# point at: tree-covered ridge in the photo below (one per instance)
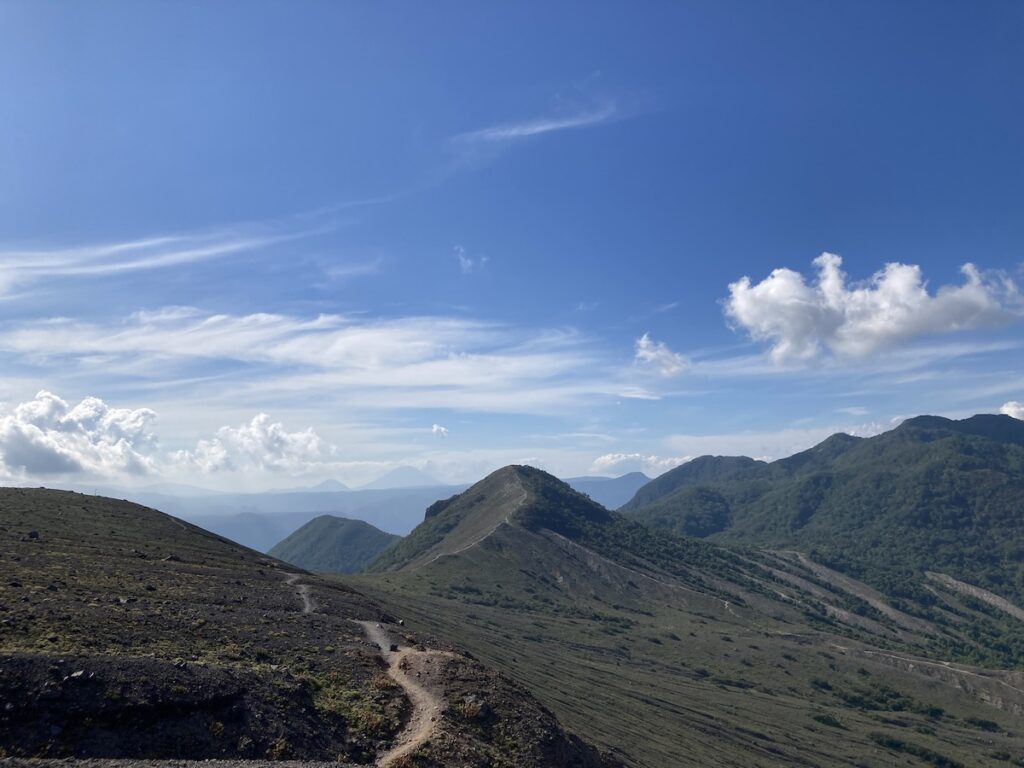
(933, 494)
(331, 544)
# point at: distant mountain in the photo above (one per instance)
(610, 492)
(932, 495)
(253, 529)
(261, 520)
(332, 544)
(677, 651)
(401, 477)
(327, 486)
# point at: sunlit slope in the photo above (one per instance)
(126, 633)
(680, 652)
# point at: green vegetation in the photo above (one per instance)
(332, 544)
(677, 651)
(931, 495)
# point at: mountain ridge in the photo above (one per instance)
(931, 494)
(639, 638)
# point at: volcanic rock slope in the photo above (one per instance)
(674, 651)
(126, 633)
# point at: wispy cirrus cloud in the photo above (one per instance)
(22, 267)
(506, 132)
(403, 363)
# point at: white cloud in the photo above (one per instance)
(621, 463)
(853, 410)
(656, 356)
(1013, 408)
(437, 429)
(46, 436)
(469, 264)
(259, 445)
(21, 267)
(802, 321)
(527, 128)
(411, 362)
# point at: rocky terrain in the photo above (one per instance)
(129, 634)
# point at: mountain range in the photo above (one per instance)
(856, 604)
(932, 495)
(674, 651)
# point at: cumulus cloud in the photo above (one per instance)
(621, 463)
(437, 429)
(803, 320)
(656, 356)
(46, 436)
(1013, 408)
(261, 444)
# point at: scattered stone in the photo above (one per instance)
(33, 534)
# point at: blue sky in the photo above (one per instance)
(465, 235)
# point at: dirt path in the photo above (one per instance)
(426, 706)
(308, 606)
(404, 665)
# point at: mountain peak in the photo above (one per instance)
(333, 544)
(516, 496)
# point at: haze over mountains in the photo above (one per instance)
(855, 604)
(393, 503)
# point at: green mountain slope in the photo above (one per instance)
(679, 652)
(931, 495)
(333, 545)
(126, 633)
